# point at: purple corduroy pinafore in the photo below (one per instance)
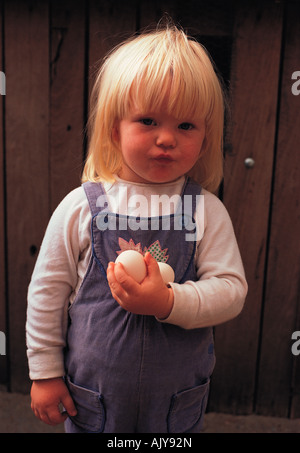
(130, 373)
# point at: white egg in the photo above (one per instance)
(166, 272)
(133, 263)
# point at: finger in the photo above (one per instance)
(152, 266)
(125, 280)
(116, 289)
(110, 271)
(44, 417)
(69, 405)
(37, 413)
(113, 270)
(54, 417)
(111, 278)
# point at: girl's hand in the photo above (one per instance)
(46, 395)
(150, 297)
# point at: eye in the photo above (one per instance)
(186, 126)
(147, 121)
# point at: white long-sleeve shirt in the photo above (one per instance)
(217, 296)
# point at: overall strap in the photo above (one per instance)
(189, 194)
(93, 191)
(191, 187)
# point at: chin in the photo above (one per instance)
(165, 179)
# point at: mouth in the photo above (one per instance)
(164, 159)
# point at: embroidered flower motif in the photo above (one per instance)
(130, 245)
(157, 252)
(155, 249)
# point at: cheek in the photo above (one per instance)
(194, 151)
(116, 136)
(199, 146)
(130, 149)
(133, 144)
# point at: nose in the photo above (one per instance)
(166, 138)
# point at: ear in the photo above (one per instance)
(115, 132)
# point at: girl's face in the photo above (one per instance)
(157, 147)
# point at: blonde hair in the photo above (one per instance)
(146, 70)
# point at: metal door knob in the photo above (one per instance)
(249, 162)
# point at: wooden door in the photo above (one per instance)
(247, 191)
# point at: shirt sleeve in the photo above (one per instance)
(53, 280)
(220, 291)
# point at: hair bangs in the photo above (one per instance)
(177, 79)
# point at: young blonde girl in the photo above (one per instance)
(122, 356)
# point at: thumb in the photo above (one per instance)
(152, 265)
(68, 404)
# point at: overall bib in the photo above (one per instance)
(130, 373)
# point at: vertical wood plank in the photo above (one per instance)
(3, 358)
(254, 80)
(282, 301)
(149, 14)
(67, 97)
(110, 24)
(295, 384)
(213, 18)
(27, 74)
